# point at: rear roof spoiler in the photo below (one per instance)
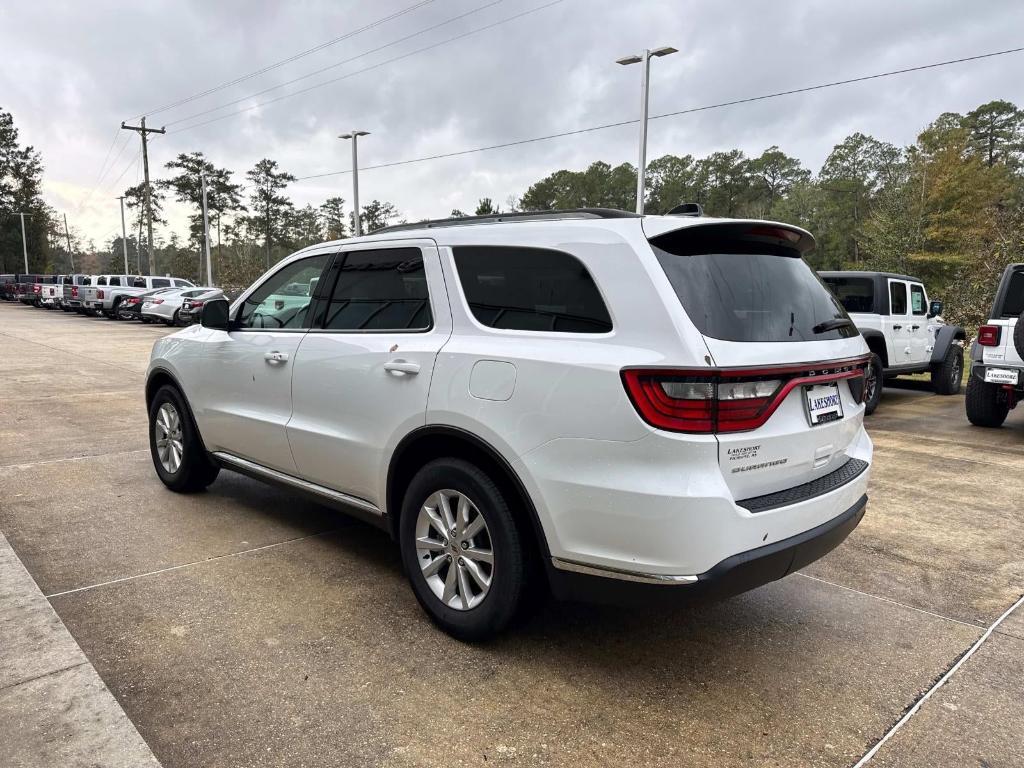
(772, 232)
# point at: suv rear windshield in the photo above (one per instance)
(1013, 301)
(740, 290)
(856, 294)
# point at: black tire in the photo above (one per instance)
(1018, 336)
(872, 384)
(195, 471)
(987, 404)
(175, 319)
(508, 576)
(947, 376)
(115, 312)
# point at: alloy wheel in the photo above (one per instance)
(167, 433)
(870, 383)
(453, 548)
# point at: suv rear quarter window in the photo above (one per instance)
(530, 289)
(1013, 301)
(856, 294)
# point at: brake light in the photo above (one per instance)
(988, 335)
(74, 291)
(725, 400)
(156, 301)
(37, 288)
(196, 304)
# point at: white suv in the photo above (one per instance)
(589, 400)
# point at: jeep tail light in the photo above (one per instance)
(988, 335)
(725, 400)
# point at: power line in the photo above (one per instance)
(99, 180)
(336, 64)
(663, 115)
(447, 41)
(288, 60)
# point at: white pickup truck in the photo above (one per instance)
(997, 356)
(107, 291)
(904, 331)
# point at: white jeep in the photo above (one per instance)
(905, 332)
(593, 401)
(996, 384)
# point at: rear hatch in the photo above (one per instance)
(786, 380)
(1007, 309)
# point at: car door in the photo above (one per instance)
(247, 374)
(362, 376)
(921, 341)
(896, 325)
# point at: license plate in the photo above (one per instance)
(823, 403)
(1001, 376)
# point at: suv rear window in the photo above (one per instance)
(530, 289)
(1013, 302)
(740, 290)
(856, 294)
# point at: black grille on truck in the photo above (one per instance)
(798, 493)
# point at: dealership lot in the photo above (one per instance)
(246, 627)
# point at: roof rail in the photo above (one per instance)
(571, 213)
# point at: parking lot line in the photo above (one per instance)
(938, 684)
(44, 462)
(186, 565)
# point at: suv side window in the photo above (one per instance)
(918, 305)
(161, 282)
(101, 281)
(282, 300)
(380, 290)
(530, 289)
(115, 281)
(897, 298)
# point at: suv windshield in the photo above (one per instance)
(738, 290)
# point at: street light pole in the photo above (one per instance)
(124, 236)
(641, 166)
(24, 242)
(206, 232)
(354, 135)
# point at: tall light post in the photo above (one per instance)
(206, 234)
(645, 59)
(124, 236)
(354, 135)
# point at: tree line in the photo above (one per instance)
(949, 208)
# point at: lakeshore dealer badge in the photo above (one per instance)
(748, 453)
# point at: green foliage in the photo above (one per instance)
(486, 207)
(270, 207)
(21, 177)
(377, 214)
(332, 216)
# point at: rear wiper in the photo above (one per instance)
(831, 325)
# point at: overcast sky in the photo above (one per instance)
(72, 71)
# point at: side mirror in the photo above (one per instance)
(935, 308)
(214, 315)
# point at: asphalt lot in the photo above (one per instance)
(245, 627)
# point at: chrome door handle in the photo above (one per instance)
(915, 327)
(401, 366)
(275, 357)
(897, 327)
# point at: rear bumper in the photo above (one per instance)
(978, 371)
(733, 575)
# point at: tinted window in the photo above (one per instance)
(160, 282)
(897, 298)
(856, 294)
(380, 290)
(917, 303)
(270, 307)
(114, 281)
(749, 291)
(101, 281)
(530, 289)
(1013, 304)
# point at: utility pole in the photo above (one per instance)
(354, 135)
(641, 167)
(124, 236)
(206, 232)
(67, 234)
(143, 131)
(24, 241)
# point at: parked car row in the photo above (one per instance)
(149, 298)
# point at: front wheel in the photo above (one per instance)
(872, 384)
(462, 550)
(178, 454)
(947, 376)
(987, 404)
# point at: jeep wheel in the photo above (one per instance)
(947, 376)
(1018, 336)
(987, 404)
(461, 549)
(872, 384)
(178, 454)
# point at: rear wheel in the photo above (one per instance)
(872, 384)
(178, 454)
(947, 376)
(987, 404)
(462, 550)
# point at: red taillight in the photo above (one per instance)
(37, 288)
(727, 400)
(99, 294)
(988, 335)
(196, 304)
(157, 301)
(74, 291)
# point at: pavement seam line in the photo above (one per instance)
(187, 565)
(44, 674)
(890, 600)
(938, 684)
(44, 462)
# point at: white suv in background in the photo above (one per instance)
(594, 400)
